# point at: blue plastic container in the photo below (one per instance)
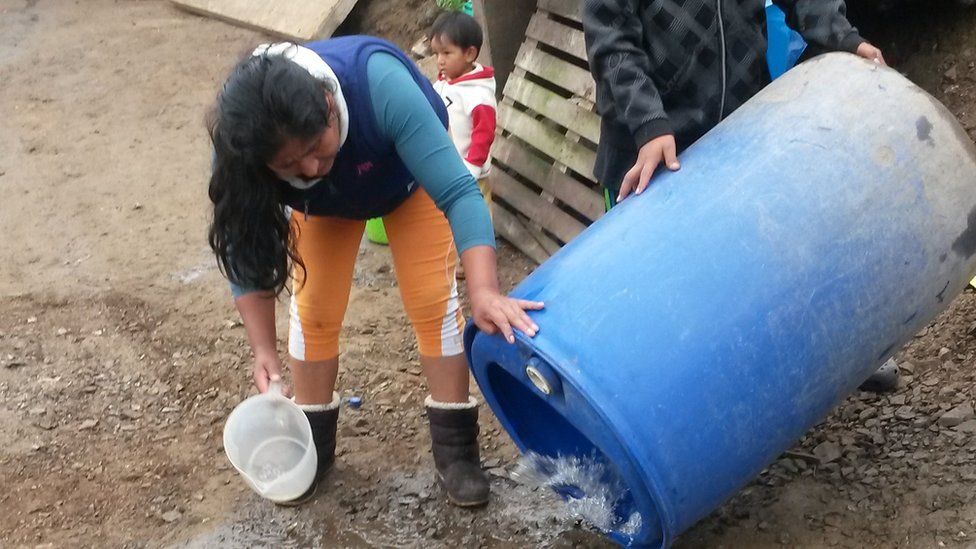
(784, 45)
(697, 331)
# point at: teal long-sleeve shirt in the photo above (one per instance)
(403, 114)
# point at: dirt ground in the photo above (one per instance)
(121, 354)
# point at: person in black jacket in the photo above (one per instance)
(667, 71)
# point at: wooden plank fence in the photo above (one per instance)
(295, 21)
(548, 128)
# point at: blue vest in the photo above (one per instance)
(368, 178)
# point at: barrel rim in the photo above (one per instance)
(643, 482)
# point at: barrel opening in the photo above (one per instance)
(541, 429)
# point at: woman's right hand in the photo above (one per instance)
(267, 369)
(258, 313)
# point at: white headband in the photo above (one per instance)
(317, 67)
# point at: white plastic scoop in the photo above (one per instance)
(268, 440)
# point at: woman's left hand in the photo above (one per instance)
(494, 313)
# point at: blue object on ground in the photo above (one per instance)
(698, 330)
(354, 402)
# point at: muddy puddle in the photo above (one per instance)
(402, 509)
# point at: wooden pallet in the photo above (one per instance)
(543, 154)
(295, 20)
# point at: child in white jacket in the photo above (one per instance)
(468, 91)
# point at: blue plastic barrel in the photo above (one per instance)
(698, 330)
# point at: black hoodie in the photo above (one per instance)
(681, 66)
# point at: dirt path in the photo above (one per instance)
(120, 354)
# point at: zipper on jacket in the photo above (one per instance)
(721, 43)
(306, 209)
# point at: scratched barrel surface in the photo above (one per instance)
(698, 330)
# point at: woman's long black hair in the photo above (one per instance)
(266, 99)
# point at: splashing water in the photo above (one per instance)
(591, 491)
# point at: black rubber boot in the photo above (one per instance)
(323, 419)
(454, 441)
(885, 379)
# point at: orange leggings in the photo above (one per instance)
(424, 258)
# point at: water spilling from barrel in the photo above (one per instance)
(589, 489)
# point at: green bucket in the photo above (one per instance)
(376, 232)
(456, 5)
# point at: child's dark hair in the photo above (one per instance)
(459, 29)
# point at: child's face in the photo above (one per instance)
(452, 61)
